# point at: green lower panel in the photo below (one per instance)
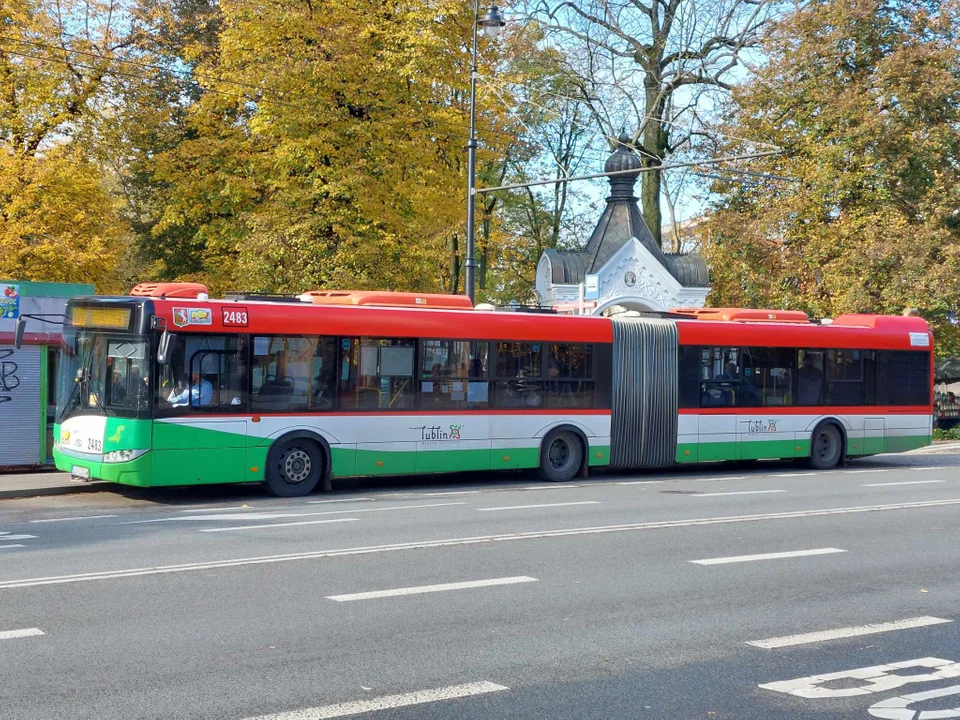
(598, 455)
(374, 462)
(126, 434)
(514, 458)
(762, 449)
(906, 442)
(452, 460)
(687, 452)
(199, 467)
(717, 451)
(136, 472)
(343, 461)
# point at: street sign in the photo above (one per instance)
(591, 287)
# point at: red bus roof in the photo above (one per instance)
(371, 321)
(387, 299)
(855, 332)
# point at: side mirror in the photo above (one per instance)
(168, 343)
(18, 334)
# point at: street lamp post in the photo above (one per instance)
(491, 22)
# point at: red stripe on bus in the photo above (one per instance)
(814, 410)
(396, 413)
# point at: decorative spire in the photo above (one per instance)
(623, 158)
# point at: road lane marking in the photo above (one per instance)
(277, 525)
(420, 589)
(905, 482)
(739, 492)
(847, 632)
(476, 540)
(26, 632)
(4, 537)
(454, 492)
(767, 556)
(67, 519)
(338, 500)
(12, 545)
(861, 472)
(799, 474)
(545, 487)
(543, 505)
(868, 680)
(267, 515)
(388, 702)
(898, 708)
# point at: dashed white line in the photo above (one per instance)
(12, 545)
(4, 537)
(276, 525)
(268, 515)
(546, 487)
(542, 505)
(388, 702)
(863, 472)
(338, 500)
(905, 482)
(459, 541)
(421, 589)
(799, 474)
(847, 632)
(26, 632)
(740, 492)
(767, 556)
(67, 519)
(454, 492)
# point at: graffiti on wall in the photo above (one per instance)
(8, 376)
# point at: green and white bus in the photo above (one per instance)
(168, 387)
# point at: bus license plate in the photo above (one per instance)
(80, 472)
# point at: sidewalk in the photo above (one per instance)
(33, 484)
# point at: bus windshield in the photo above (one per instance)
(103, 373)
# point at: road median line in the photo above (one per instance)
(453, 542)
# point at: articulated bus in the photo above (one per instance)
(168, 387)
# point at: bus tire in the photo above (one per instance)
(294, 467)
(826, 446)
(561, 456)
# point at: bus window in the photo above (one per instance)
(519, 381)
(689, 376)
(844, 377)
(377, 374)
(903, 377)
(810, 377)
(719, 377)
(768, 376)
(282, 373)
(453, 374)
(205, 374)
(569, 376)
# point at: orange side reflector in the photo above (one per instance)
(599, 455)
(379, 463)
(799, 448)
(686, 452)
(506, 458)
(254, 469)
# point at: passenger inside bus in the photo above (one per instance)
(809, 381)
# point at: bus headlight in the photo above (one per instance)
(117, 456)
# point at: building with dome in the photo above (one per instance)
(631, 270)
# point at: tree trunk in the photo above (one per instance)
(654, 144)
(454, 247)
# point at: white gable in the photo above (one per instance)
(632, 277)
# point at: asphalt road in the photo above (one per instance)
(719, 592)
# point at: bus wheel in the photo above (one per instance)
(826, 448)
(561, 456)
(294, 467)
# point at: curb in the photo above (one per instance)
(54, 490)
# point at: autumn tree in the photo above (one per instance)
(643, 65)
(58, 219)
(864, 95)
